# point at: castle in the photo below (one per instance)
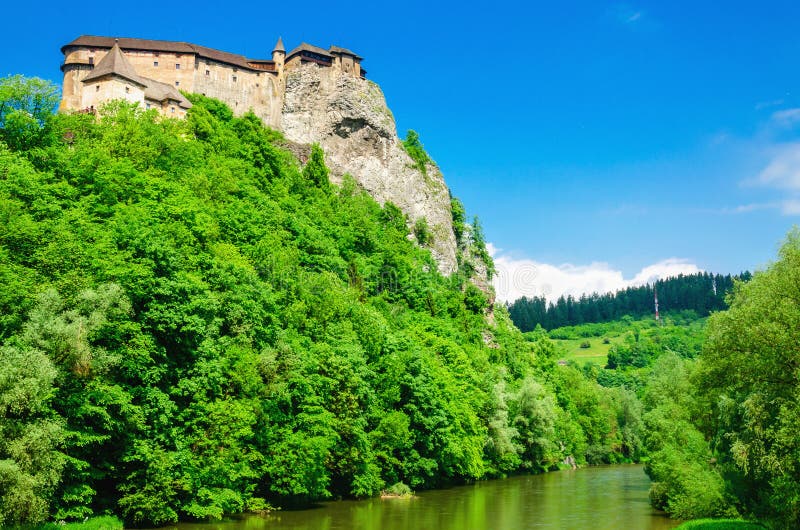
(310, 94)
(153, 73)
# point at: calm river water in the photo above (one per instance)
(598, 498)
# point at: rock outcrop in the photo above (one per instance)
(348, 117)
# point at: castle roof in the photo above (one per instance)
(344, 51)
(306, 47)
(158, 91)
(92, 41)
(115, 63)
(279, 46)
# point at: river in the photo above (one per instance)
(595, 498)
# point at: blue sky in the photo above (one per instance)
(592, 138)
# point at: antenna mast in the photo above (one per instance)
(655, 292)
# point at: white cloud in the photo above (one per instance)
(783, 171)
(525, 277)
(766, 104)
(634, 17)
(786, 118)
(790, 207)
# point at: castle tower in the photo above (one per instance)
(278, 56)
(113, 78)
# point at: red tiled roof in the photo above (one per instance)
(93, 41)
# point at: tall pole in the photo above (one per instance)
(655, 291)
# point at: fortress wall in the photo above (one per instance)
(72, 89)
(250, 90)
(111, 89)
(143, 62)
(168, 108)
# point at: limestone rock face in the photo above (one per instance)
(348, 117)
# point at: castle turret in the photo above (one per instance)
(278, 56)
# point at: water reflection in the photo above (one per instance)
(602, 498)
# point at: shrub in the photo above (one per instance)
(586, 344)
(398, 489)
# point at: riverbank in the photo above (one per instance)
(104, 522)
(720, 524)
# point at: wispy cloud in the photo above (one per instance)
(517, 277)
(767, 104)
(783, 169)
(626, 14)
(788, 207)
(786, 118)
(634, 17)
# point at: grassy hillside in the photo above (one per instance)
(591, 343)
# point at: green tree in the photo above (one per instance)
(30, 436)
(315, 170)
(26, 103)
(416, 151)
(749, 375)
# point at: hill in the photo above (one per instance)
(195, 324)
(702, 293)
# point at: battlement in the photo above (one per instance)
(154, 72)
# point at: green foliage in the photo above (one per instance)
(478, 247)
(26, 103)
(459, 216)
(416, 151)
(105, 522)
(421, 232)
(30, 463)
(685, 297)
(398, 489)
(720, 524)
(194, 325)
(748, 379)
(315, 170)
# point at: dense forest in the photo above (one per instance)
(701, 292)
(194, 324)
(719, 398)
(723, 431)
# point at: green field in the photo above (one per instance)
(602, 336)
(597, 352)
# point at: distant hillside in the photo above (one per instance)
(701, 292)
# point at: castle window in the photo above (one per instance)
(234, 79)
(172, 109)
(177, 83)
(148, 105)
(208, 72)
(91, 60)
(97, 88)
(127, 90)
(155, 63)
(177, 66)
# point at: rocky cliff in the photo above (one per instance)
(349, 119)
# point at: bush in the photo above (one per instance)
(417, 152)
(422, 232)
(586, 344)
(398, 489)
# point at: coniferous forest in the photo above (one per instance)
(194, 324)
(702, 292)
